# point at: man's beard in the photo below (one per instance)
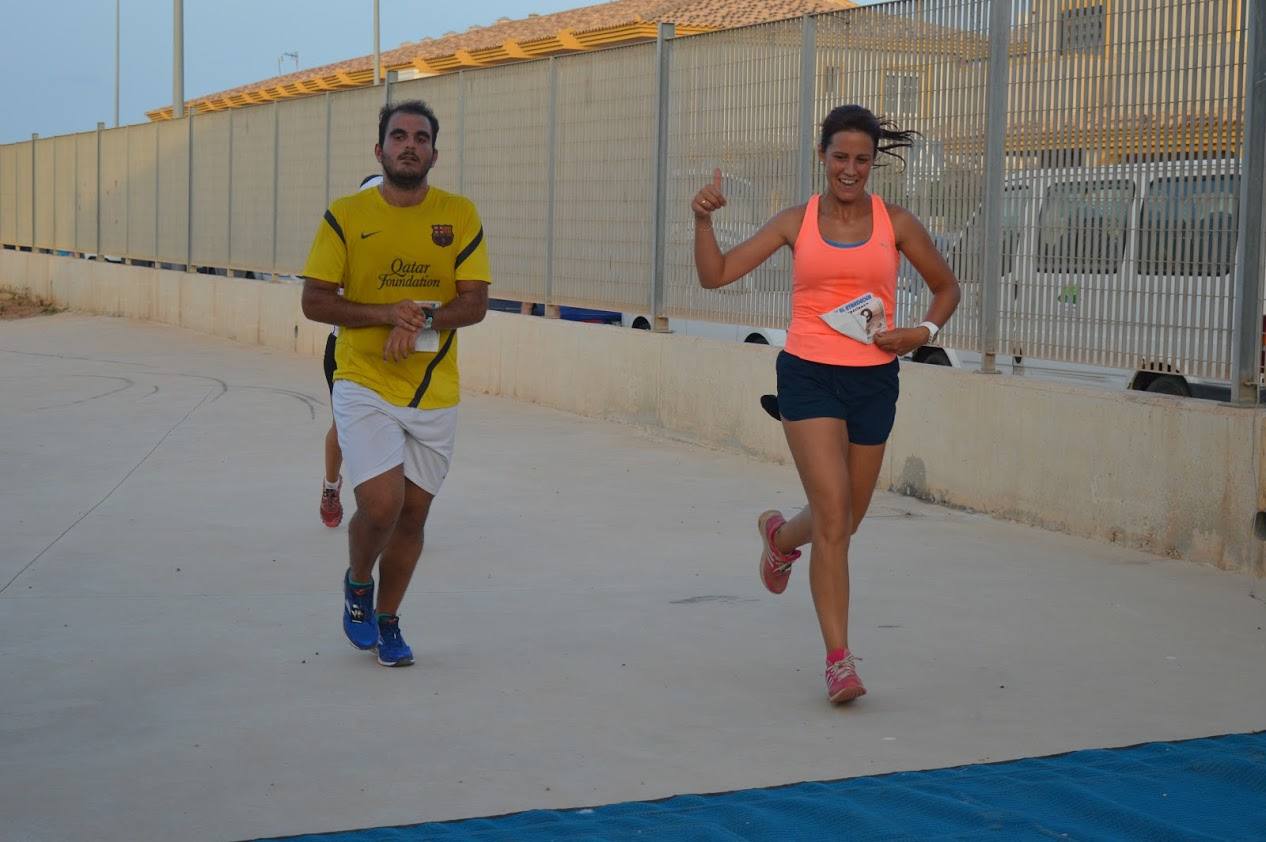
(404, 181)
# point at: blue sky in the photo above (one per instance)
(57, 59)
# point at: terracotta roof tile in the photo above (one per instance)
(699, 14)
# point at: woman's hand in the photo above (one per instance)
(708, 200)
(903, 340)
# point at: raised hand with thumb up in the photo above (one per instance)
(709, 199)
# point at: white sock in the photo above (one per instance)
(330, 486)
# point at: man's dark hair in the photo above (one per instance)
(408, 106)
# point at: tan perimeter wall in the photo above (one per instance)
(1182, 478)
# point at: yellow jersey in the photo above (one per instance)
(381, 254)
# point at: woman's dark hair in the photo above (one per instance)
(855, 118)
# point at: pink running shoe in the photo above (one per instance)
(775, 567)
(331, 506)
(842, 683)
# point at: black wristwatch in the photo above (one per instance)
(428, 316)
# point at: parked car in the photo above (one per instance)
(1110, 255)
(711, 330)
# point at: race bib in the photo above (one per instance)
(858, 319)
(428, 341)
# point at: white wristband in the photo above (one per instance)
(933, 329)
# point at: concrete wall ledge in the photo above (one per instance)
(1180, 478)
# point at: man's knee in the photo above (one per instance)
(380, 517)
(380, 502)
(413, 513)
(412, 529)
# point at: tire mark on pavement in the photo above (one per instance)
(128, 383)
(307, 400)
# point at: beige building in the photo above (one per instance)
(618, 23)
(1102, 81)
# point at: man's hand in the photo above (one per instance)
(902, 340)
(399, 343)
(406, 315)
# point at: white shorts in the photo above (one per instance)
(376, 436)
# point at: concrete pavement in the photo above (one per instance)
(587, 616)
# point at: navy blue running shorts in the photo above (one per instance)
(864, 397)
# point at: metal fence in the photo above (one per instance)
(1080, 166)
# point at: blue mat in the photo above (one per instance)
(1212, 788)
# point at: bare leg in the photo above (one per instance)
(333, 455)
(864, 464)
(404, 548)
(378, 504)
(820, 450)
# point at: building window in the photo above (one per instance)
(1082, 30)
(901, 94)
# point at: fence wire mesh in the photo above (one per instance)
(1120, 201)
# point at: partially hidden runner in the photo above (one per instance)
(331, 510)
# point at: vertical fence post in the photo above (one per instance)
(551, 309)
(75, 250)
(5, 209)
(96, 244)
(660, 222)
(328, 133)
(1247, 323)
(461, 132)
(189, 191)
(158, 192)
(34, 137)
(53, 242)
(127, 196)
(808, 83)
(228, 239)
(276, 180)
(997, 82)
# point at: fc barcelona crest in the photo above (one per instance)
(442, 235)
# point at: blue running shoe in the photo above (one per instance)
(392, 650)
(358, 614)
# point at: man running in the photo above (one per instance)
(413, 267)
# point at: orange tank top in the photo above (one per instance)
(825, 276)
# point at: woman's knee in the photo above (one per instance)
(833, 525)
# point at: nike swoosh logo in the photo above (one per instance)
(365, 236)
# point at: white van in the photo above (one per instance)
(1131, 263)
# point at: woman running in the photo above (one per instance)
(837, 377)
